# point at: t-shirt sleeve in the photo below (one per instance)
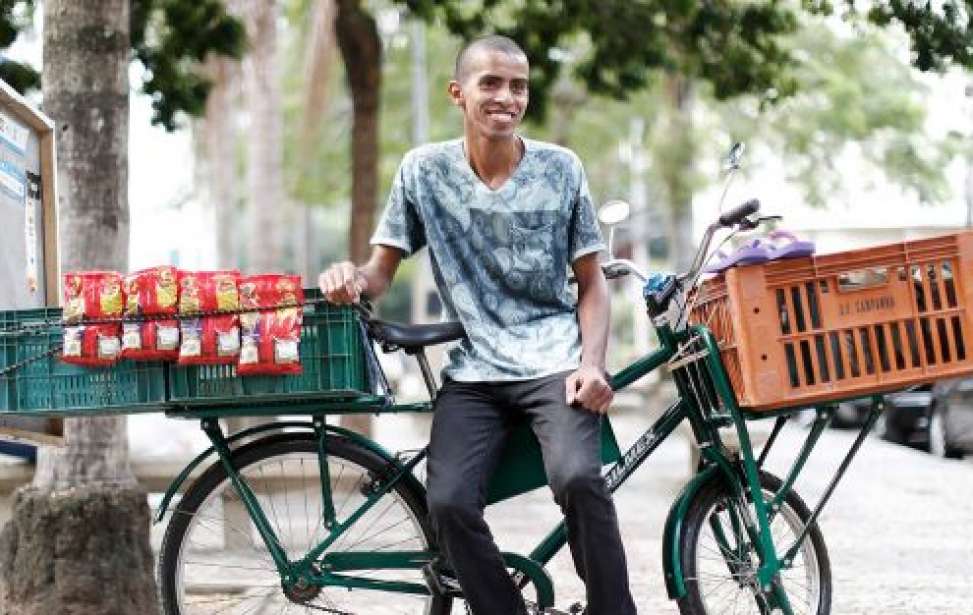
(401, 224)
(584, 233)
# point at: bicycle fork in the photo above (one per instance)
(215, 434)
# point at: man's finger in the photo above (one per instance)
(350, 290)
(604, 402)
(586, 394)
(334, 284)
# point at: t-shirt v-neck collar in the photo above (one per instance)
(478, 182)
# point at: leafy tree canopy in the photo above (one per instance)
(170, 37)
(15, 15)
(735, 46)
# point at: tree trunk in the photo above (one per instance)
(269, 216)
(79, 539)
(320, 54)
(216, 163)
(361, 50)
(677, 169)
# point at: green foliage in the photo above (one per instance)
(172, 38)
(941, 32)
(854, 90)
(735, 46)
(21, 77)
(15, 15)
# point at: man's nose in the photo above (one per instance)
(503, 95)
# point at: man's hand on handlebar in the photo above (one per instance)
(343, 283)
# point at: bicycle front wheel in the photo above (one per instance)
(720, 562)
(213, 559)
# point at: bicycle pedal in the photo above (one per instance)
(441, 584)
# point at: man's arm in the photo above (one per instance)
(588, 385)
(345, 283)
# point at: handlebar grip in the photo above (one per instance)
(740, 212)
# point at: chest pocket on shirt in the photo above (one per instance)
(533, 242)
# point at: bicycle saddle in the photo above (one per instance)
(411, 338)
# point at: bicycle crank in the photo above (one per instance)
(574, 609)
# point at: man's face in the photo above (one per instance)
(493, 93)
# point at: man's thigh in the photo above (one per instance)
(468, 431)
(570, 437)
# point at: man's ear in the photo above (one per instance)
(455, 93)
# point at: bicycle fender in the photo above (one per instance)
(357, 438)
(671, 564)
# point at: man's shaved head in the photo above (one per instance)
(491, 42)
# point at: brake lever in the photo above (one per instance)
(748, 224)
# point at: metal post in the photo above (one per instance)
(420, 89)
(427, 373)
(969, 166)
(878, 405)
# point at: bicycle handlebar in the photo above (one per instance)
(734, 216)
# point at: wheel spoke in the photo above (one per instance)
(722, 569)
(217, 564)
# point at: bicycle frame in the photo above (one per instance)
(706, 415)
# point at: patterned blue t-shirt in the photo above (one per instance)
(500, 257)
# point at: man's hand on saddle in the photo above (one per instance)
(588, 388)
(342, 283)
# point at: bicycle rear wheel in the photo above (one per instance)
(719, 561)
(213, 560)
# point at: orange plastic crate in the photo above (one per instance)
(811, 330)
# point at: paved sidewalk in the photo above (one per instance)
(899, 528)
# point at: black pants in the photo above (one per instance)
(468, 433)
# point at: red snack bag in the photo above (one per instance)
(92, 295)
(151, 292)
(270, 339)
(209, 340)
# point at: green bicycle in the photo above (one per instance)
(303, 516)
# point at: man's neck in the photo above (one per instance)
(493, 160)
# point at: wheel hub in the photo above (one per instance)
(301, 591)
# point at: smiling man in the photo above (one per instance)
(504, 218)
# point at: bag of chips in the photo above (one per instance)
(209, 340)
(151, 292)
(271, 338)
(92, 296)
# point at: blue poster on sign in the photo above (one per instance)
(13, 181)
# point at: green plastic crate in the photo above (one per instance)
(332, 356)
(51, 387)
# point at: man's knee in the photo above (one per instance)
(451, 508)
(574, 482)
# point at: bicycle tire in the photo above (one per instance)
(193, 533)
(812, 557)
